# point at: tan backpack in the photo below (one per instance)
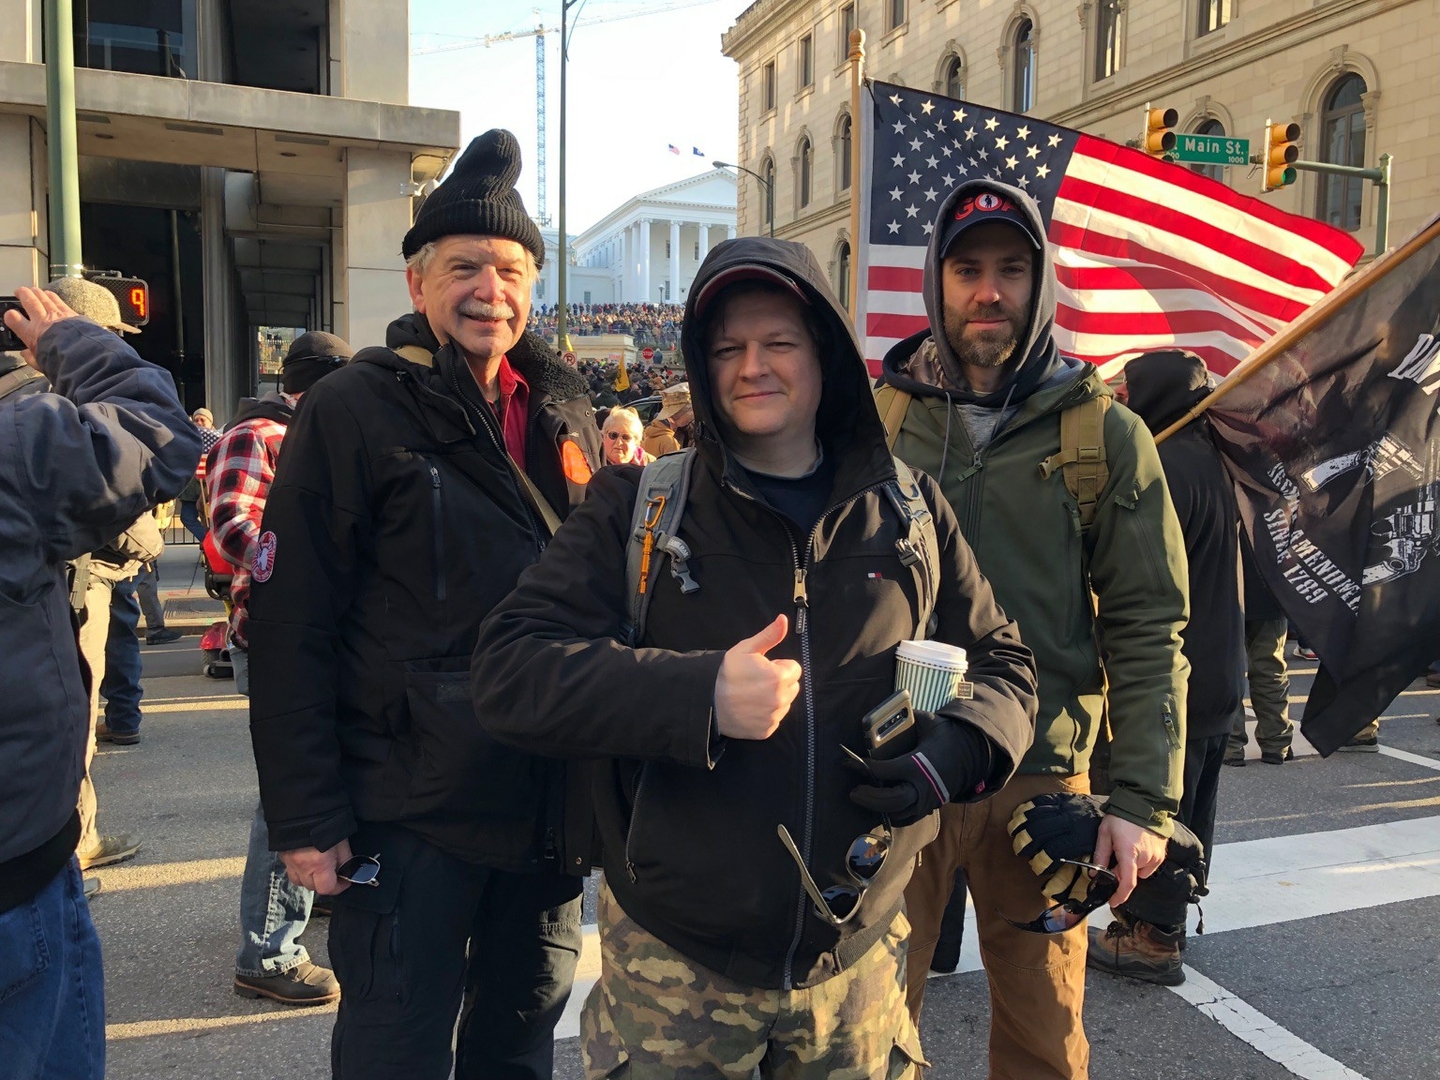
(1081, 459)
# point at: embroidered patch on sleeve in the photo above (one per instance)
(264, 564)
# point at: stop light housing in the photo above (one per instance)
(1157, 138)
(131, 293)
(1281, 153)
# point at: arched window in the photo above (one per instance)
(842, 153)
(842, 272)
(1342, 142)
(1023, 66)
(954, 78)
(1107, 38)
(1215, 172)
(804, 162)
(767, 193)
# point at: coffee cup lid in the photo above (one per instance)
(934, 653)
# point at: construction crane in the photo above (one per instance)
(539, 33)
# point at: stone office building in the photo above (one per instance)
(1361, 78)
(255, 160)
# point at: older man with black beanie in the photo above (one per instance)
(417, 484)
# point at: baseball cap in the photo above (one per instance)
(673, 399)
(732, 275)
(95, 302)
(981, 208)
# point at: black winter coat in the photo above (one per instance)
(687, 818)
(393, 526)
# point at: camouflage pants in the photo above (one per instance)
(657, 1014)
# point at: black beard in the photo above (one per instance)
(987, 352)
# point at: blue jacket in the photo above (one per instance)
(80, 459)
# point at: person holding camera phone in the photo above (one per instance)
(756, 847)
(91, 436)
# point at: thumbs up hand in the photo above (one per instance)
(752, 692)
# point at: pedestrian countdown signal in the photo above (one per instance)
(131, 293)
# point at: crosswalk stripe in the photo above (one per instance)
(1246, 1022)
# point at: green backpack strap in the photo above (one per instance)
(893, 404)
(920, 547)
(654, 525)
(1081, 459)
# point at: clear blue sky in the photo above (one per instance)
(635, 85)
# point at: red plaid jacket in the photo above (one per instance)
(241, 468)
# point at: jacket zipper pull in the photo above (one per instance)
(802, 600)
(434, 477)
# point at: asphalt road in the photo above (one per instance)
(1339, 953)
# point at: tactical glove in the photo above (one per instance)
(1058, 826)
(951, 760)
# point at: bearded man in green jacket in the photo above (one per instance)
(1096, 582)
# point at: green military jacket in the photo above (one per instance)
(1101, 609)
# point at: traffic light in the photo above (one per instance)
(1281, 153)
(131, 293)
(1157, 137)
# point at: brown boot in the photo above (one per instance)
(1137, 950)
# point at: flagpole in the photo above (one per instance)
(1325, 309)
(857, 161)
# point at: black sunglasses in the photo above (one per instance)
(839, 903)
(361, 870)
(1068, 914)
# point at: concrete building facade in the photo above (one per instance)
(648, 248)
(257, 162)
(1361, 77)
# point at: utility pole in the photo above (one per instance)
(562, 318)
(65, 260)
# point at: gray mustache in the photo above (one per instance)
(479, 309)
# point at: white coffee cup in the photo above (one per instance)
(932, 671)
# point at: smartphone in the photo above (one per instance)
(9, 341)
(890, 727)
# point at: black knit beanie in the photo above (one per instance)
(479, 198)
(310, 358)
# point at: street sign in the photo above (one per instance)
(648, 353)
(1211, 150)
(569, 358)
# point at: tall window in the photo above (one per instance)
(767, 87)
(842, 273)
(803, 171)
(1213, 15)
(767, 193)
(1342, 142)
(1107, 38)
(954, 78)
(807, 61)
(842, 152)
(1214, 172)
(1023, 60)
(895, 15)
(847, 24)
(148, 39)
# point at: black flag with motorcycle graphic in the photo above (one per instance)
(1334, 450)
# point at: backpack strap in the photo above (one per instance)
(893, 404)
(1081, 459)
(920, 548)
(16, 378)
(654, 526)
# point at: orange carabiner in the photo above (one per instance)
(653, 510)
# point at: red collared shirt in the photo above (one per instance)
(512, 409)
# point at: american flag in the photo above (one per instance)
(1148, 254)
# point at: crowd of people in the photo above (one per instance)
(653, 325)
(454, 582)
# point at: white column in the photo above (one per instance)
(704, 242)
(729, 232)
(625, 248)
(645, 296)
(674, 297)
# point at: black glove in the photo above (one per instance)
(950, 760)
(1162, 898)
(1058, 826)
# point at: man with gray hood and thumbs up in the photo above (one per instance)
(1060, 493)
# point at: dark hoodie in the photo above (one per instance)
(1162, 386)
(688, 819)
